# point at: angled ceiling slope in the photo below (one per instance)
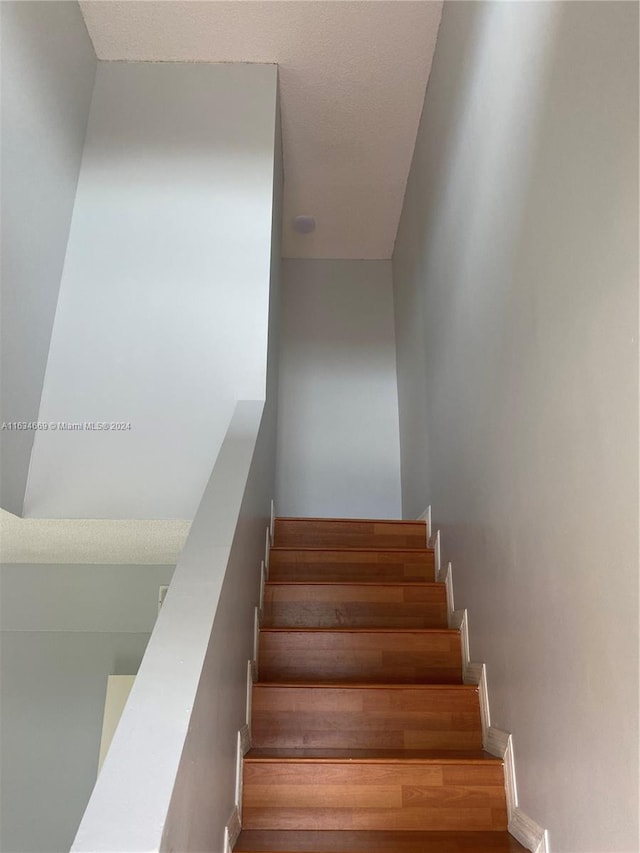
(353, 75)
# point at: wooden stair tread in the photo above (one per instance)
(373, 756)
(365, 685)
(365, 583)
(363, 841)
(354, 682)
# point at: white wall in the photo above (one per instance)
(169, 780)
(204, 793)
(48, 67)
(203, 796)
(516, 275)
(162, 317)
(64, 630)
(80, 597)
(338, 441)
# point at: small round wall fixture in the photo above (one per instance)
(304, 224)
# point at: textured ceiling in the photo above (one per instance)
(84, 540)
(352, 81)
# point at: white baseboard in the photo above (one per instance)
(272, 520)
(426, 516)
(263, 580)
(448, 582)
(510, 778)
(435, 544)
(242, 747)
(500, 743)
(496, 741)
(528, 833)
(256, 632)
(245, 739)
(476, 673)
(250, 680)
(232, 830)
(459, 620)
(267, 548)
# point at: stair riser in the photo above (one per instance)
(349, 534)
(373, 796)
(344, 605)
(365, 718)
(351, 566)
(360, 657)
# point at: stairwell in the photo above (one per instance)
(363, 735)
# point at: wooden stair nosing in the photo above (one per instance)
(370, 685)
(372, 756)
(395, 583)
(347, 629)
(381, 841)
(350, 548)
(340, 519)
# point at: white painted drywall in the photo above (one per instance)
(162, 316)
(338, 439)
(48, 67)
(168, 781)
(203, 796)
(65, 629)
(86, 598)
(516, 292)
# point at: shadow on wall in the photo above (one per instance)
(477, 191)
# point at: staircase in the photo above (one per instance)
(364, 738)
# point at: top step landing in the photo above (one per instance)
(349, 533)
